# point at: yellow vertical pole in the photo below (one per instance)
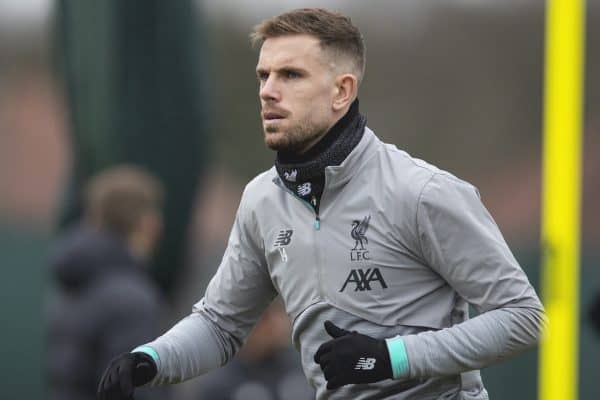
(565, 21)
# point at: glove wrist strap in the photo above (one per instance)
(150, 351)
(398, 357)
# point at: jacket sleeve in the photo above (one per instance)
(219, 323)
(461, 242)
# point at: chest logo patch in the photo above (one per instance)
(359, 233)
(283, 239)
(364, 278)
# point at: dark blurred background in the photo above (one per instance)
(171, 86)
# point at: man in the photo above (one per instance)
(376, 255)
(104, 302)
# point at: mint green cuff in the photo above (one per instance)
(398, 357)
(150, 351)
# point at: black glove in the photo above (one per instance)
(124, 373)
(352, 358)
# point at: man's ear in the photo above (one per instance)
(346, 89)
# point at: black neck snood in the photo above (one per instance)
(304, 174)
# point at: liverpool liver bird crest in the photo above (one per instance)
(359, 229)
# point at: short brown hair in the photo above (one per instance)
(117, 197)
(335, 32)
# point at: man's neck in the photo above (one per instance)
(317, 139)
(322, 142)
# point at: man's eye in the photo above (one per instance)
(262, 77)
(292, 75)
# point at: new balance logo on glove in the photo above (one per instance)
(365, 363)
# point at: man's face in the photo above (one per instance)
(297, 87)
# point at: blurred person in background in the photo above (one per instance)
(104, 302)
(266, 368)
(376, 255)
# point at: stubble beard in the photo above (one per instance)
(295, 139)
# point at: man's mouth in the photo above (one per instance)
(273, 116)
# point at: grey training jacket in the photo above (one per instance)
(400, 247)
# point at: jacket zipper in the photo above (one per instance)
(317, 223)
(311, 207)
(317, 227)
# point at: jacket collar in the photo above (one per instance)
(337, 176)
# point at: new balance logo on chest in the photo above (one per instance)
(283, 239)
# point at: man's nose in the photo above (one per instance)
(269, 90)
